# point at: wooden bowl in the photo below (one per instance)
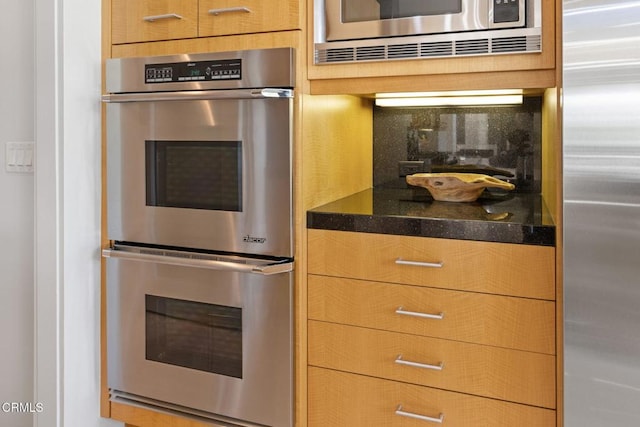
(456, 187)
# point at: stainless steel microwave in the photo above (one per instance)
(361, 30)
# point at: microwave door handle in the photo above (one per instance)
(266, 270)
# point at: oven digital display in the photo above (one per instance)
(225, 69)
(194, 174)
(196, 335)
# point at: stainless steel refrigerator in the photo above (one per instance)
(602, 212)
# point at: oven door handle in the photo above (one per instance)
(263, 269)
(199, 95)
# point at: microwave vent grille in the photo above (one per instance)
(472, 47)
(370, 53)
(435, 49)
(515, 44)
(401, 51)
(390, 49)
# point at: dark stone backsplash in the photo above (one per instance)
(503, 141)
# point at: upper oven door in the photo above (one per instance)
(362, 19)
(208, 170)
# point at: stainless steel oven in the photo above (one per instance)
(199, 151)
(199, 205)
(201, 334)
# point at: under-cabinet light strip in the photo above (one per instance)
(443, 101)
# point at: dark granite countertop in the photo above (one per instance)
(495, 217)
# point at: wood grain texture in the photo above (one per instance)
(525, 79)
(496, 268)
(339, 399)
(508, 322)
(128, 25)
(134, 416)
(209, 44)
(274, 15)
(337, 153)
(511, 375)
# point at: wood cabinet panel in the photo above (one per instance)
(509, 322)
(131, 20)
(497, 268)
(512, 375)
(225, 17)
(338, 399)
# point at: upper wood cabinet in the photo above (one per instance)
(225, 17)
(150, 20)
(136, 21)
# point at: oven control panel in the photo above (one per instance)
(194, 71)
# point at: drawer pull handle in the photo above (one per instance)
(159, 17)
(401, 261)
(400, 361)
(402, 413)
(217, 12)
(438, 316)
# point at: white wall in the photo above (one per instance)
(50, 221)
(16, 213)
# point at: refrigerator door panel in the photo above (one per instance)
(602, 212)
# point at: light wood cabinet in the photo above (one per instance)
(136, 21)
(495, 268)
(145, 20)
(499, 373)
(437, 326)
(339, 399)
(226, 17)
(496, 320)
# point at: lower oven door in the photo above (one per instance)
(201, 335)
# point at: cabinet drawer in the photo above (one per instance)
(150, 20)
(338, 399)
(225, 17)
(497, 268)
(516, 376)
(510, 322)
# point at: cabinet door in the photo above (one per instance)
(225, 17)
(150, 20)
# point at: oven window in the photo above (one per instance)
(206, 337)
(194, 174)
(373, 10)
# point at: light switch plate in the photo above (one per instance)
(19, 157)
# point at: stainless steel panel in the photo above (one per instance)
(602, 212)
(260, 68)
(264, 125)
(470, 32)
(475, 15)
(263, 396)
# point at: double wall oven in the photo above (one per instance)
(199, 205)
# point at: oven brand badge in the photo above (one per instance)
(251, 239)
